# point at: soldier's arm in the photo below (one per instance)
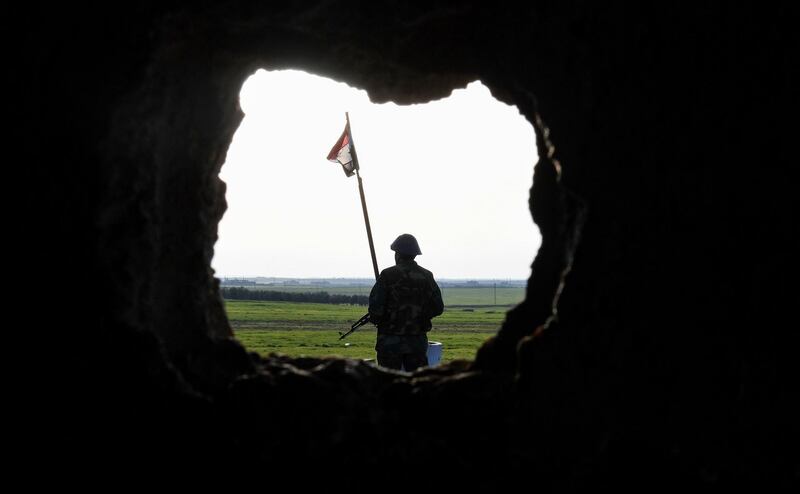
(437, 304)
(377, 302)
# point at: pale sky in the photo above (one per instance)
(455, 173)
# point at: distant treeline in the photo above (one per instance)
(236, 293)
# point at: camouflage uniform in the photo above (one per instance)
(401, 304)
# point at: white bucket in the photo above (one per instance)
(434, 352)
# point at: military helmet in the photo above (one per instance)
(406, 245)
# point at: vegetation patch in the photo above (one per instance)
(307, 329)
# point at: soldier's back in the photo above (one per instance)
(410, 293)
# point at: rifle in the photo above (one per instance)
(364, 320)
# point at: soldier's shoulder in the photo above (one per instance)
(390, 272)
(425, 271)
(390, 269)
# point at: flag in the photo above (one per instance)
(344, 153)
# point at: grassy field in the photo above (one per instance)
(313, 329)
(452, 295)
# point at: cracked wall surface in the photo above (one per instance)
(650, 344)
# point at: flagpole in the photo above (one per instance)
(369, 230)
(363, 200)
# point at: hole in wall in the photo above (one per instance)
(454, 172)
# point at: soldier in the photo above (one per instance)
(401, 304)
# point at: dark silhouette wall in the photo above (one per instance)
(651, 349)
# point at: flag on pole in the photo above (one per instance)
(344, 152)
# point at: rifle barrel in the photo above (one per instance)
(364, 320)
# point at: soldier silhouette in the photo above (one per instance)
(402, 303)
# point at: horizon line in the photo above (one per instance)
(356, 278)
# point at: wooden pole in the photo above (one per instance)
(369, 230)
(363, 199)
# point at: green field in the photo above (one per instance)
(303, 329)
(469, 296)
